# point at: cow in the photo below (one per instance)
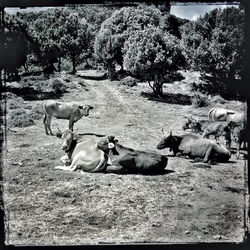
(208, 128)
(221, 114)
(196, 147)
(124, 160)
(240, 134)
(63, 110)
(81, 153)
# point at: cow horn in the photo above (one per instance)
(73, 132)
(171, 132)
(59, 130)
(162, 130)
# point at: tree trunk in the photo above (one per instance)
(111, 71)
(59, 64)
(158, 82)
(74, 64)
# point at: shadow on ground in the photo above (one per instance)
(30, 94)
(169, 98)
(95, 78)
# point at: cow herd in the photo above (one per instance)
(107, 155)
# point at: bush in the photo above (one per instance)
(19, 118)
(57, 85)
(36, 113)
(217, 99)
(14, 103)
(129, 81)
(200, 100)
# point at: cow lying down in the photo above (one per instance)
(196, 147)
(81, 153)
(124, 160)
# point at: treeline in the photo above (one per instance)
(144, 42)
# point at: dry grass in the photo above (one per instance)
(50, 207)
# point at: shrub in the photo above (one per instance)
(200, 100)
(19, 118)
(36, 112)
(129, 81)
(217, 99)
(57, 85)
(14, 103)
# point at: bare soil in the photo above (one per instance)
(190, 203)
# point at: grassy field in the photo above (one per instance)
(189, 203)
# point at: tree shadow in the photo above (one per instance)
(30, 94)
(95, 78)
(168, 98)
(173, 77)
(228, 89)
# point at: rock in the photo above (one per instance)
(187, 232)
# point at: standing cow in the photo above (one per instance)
(221, 114)
(63, 110)
(240, 134)
(208, 128)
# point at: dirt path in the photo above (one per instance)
(189, 204)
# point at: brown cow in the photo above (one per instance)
(63, 110)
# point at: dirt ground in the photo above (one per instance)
(190, 203)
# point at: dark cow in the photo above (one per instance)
(129, 161)
(81, 153)
(210, 128)
(63, 110)
(195, 147)
(240, 134)
(221, 114)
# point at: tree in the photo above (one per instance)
(150, 53)
(61, 34)
(214, 43)
(48, 30)
(76, 37)
(171, 24)
(14, 45)
(116, 30)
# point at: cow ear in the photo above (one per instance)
(80, 106)
(111, 145)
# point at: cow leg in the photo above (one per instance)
(65, 160)
(228, 140)
(114, 169)
(45, 124)
(49, 117)
(205, 134)
(208, 154)
(238, 144)
(71, 123)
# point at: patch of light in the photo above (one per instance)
(192, 12)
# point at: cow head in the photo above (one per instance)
(107, 143)
(68, 137)
(168, 141)
(84, 110)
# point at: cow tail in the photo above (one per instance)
(210, 114)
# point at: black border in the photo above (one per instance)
(227, 246)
